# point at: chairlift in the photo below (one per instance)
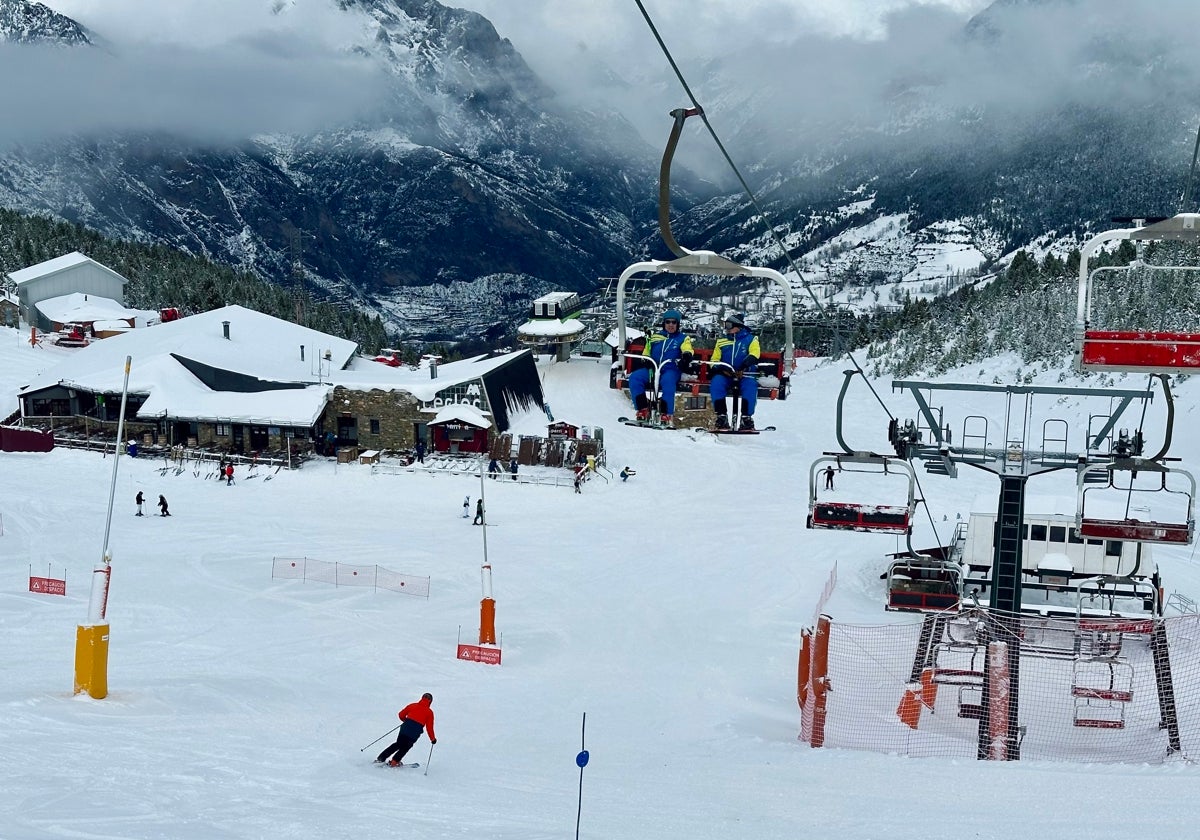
(1129, 528)
(850, 516)
(774, 367)
(1137, 350)
(924, 583)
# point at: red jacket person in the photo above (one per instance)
(415, 718)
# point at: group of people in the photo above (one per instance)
(225, 473)
(140, 499)
(668, 355)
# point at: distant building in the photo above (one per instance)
(60, 276)
(240, 381)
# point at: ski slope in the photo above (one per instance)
(668, 608)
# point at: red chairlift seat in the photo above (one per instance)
(1133, 529)
(1133, 350)
(851, 516)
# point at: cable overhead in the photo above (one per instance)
(758, 208)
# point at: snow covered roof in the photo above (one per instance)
(364, 374)
(270, 383)
(44, 269)
(78, 306)
(630, 334)
(551, 327)
(461, 413)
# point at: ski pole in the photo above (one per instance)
(426, 773)
(381, 737)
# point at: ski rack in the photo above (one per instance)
(1137, 351)
(1135, 530)
(702, 262)
(849, 516)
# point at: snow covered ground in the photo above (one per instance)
(668, 608)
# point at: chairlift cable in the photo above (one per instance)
(758, 208)
(1187, 192)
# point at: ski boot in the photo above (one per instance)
(667, 420)
(747, 425)
(721, 424)
(643, 415)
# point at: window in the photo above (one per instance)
(1112, 548)
(1074, 537)
(374, 426)
(1037, 533)
(1058, 533)
(222, 430)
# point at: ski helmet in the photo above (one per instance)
(735, 319)
(673, 315)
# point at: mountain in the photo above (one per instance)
(891, 170)
(24, 22)
(468, 175)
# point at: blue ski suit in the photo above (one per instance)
(742, 352)
(666, 349)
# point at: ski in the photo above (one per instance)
(735, 431)
(645, 424)
(398, 766)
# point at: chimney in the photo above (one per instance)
(225, 328)
(302, 352)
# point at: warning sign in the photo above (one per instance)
(479, 653)
(47, 586)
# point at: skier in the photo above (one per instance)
(829, 477)
(140, 499)
(671, 350)
(229, 474)
(415, 718)
(162, 506)
(740, 352)
(626, 472)
(512, 468)
(578, 480)
(478, 513)
(466, 507)
(420, 448)
(493, 469)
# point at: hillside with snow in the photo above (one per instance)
(667, 608)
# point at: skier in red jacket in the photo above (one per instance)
(415, 718)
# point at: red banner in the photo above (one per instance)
(47, 586)
(479, 653)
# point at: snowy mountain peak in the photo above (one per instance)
(22, 22)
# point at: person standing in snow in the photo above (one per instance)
(493, 469)
(466, 507)
(415, 718)
(140, 499)
(672, 351)
(512, 468)
(162, 506)
(229, 474)
(420, 451)
(478, 513)
(739, 352)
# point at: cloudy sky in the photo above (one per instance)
(240, 66)
(229, 68)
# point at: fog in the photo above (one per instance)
(775, 72)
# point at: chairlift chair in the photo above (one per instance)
(850, 516)
(1133, 350)
(1131, 529)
